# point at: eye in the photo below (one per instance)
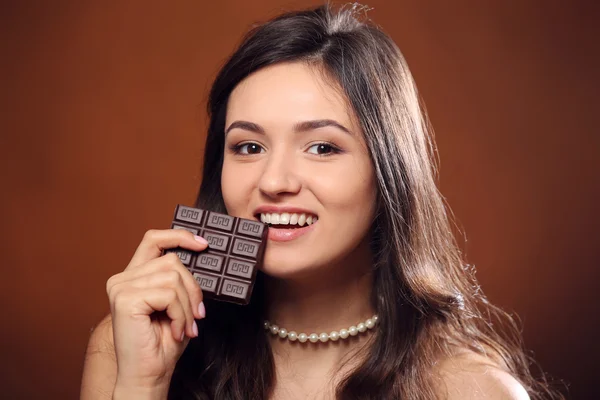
(247, 148)
(323, 149)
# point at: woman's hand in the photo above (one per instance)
(153, 303)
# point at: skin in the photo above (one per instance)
(318, 282)
(154, 303)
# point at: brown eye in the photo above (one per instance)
(322, 149)
(253, 148)
(248, 148)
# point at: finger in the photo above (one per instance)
(155, 241)
(165, 263)
(169, 280)
(145, 302)
(165, 326)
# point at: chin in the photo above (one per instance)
(289, 268)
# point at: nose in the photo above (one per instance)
(279, 176)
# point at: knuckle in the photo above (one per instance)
(165, 266)
(119, 299)
(171, 295)
(172, 259)
(198, 291)
(173, 277)
(111, 285)
(150, 235)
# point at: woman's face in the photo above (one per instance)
(295, 158)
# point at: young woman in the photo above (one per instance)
(315, 129)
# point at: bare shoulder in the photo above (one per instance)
(470, 376)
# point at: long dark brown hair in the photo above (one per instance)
(428, 302)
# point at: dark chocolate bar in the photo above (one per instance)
(227, 269)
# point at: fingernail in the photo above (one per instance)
(200, 239)
(195, 329)
(182, 336)
(201, 310)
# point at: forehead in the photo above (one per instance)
(289, 92)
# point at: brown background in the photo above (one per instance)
(102, 128)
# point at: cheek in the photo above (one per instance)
(233, 188)
(350, 196)
(357, 207)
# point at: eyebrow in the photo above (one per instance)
(303, 126)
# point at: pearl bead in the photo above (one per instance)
(323, 337)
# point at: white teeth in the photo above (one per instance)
(302, 219)
(288, 218)
(275, 219)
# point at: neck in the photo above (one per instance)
(320, 304)
(327, 299)
(329, 302)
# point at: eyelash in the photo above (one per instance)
(236, 148)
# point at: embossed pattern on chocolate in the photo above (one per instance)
(225, 271)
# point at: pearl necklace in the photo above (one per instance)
(323, 337)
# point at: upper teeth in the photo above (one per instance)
(288, 219)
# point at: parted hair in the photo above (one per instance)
(428, 301)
